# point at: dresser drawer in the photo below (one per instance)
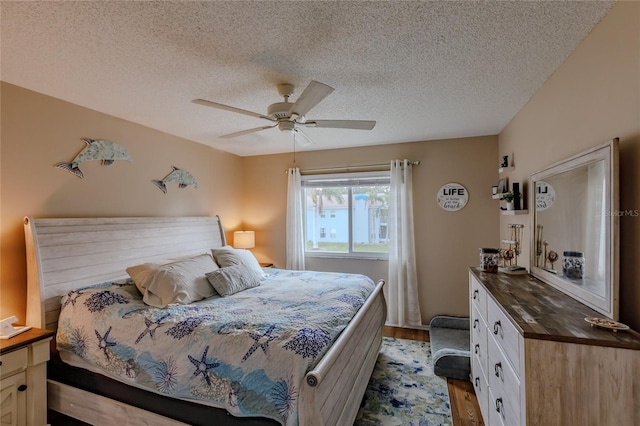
(500, 413)
(504, 332)
(478, 378)
(478, 337)
(478, 296)
(14, 361)
(503, 380)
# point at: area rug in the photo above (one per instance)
(403, 390)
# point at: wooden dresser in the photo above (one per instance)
(536, 361)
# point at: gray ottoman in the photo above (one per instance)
(450, 352)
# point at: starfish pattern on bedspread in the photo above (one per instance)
(202, 366)
(152, 326)
(103, 343)
(260, 340)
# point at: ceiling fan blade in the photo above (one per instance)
(310, 97)
(300, 138)
(230, 108)
(246, 132)
(341, 124)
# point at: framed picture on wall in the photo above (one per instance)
(502, 186)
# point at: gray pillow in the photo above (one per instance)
(232, 279)
(181, 282)
(228, 256)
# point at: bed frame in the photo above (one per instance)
(65, 254)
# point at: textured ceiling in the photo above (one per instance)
(423, 70)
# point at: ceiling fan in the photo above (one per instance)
(289, 116)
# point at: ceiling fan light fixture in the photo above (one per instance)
(286, 126)
(279, 110)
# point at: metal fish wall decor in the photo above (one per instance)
(182, 177)
(106, 151)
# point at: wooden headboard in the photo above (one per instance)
(65, 254)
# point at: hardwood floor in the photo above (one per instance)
(465, 410)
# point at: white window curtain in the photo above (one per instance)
(403, 306)
(295, 224)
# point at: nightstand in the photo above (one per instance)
(23, 372)
(266, 264)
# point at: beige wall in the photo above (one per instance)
(39, 131)
(593, 97)
(446, 242)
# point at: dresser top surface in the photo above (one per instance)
(540, 311)
(23, 339)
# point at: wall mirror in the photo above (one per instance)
(575, 227)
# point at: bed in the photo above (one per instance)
(65, 256)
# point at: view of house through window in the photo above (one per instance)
(346, 214)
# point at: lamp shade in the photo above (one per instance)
(244, 239)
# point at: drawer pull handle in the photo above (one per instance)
(22, 388)
(500, 407)
(496, 327)
(475, 294)
(475, 323)
(498, 370)
(477, 381)
(476, 349)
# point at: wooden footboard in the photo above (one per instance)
(332, 392)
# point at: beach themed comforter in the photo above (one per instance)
(247, 353)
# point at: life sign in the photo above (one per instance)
(545, 195)
(453, 191)
(453, 197)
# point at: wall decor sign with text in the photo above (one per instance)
(453, 197)
(545, 195)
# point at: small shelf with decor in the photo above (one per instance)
(512, 200)
(507, 164)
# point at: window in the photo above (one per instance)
(353, 207)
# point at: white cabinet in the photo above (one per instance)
(535, 361)
(13, 402)
(23, 378)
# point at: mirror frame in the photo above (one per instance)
(607, 305)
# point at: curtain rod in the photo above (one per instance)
(353, 168)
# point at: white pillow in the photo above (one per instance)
(182, 281)
(228, 256)
(232, 279)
